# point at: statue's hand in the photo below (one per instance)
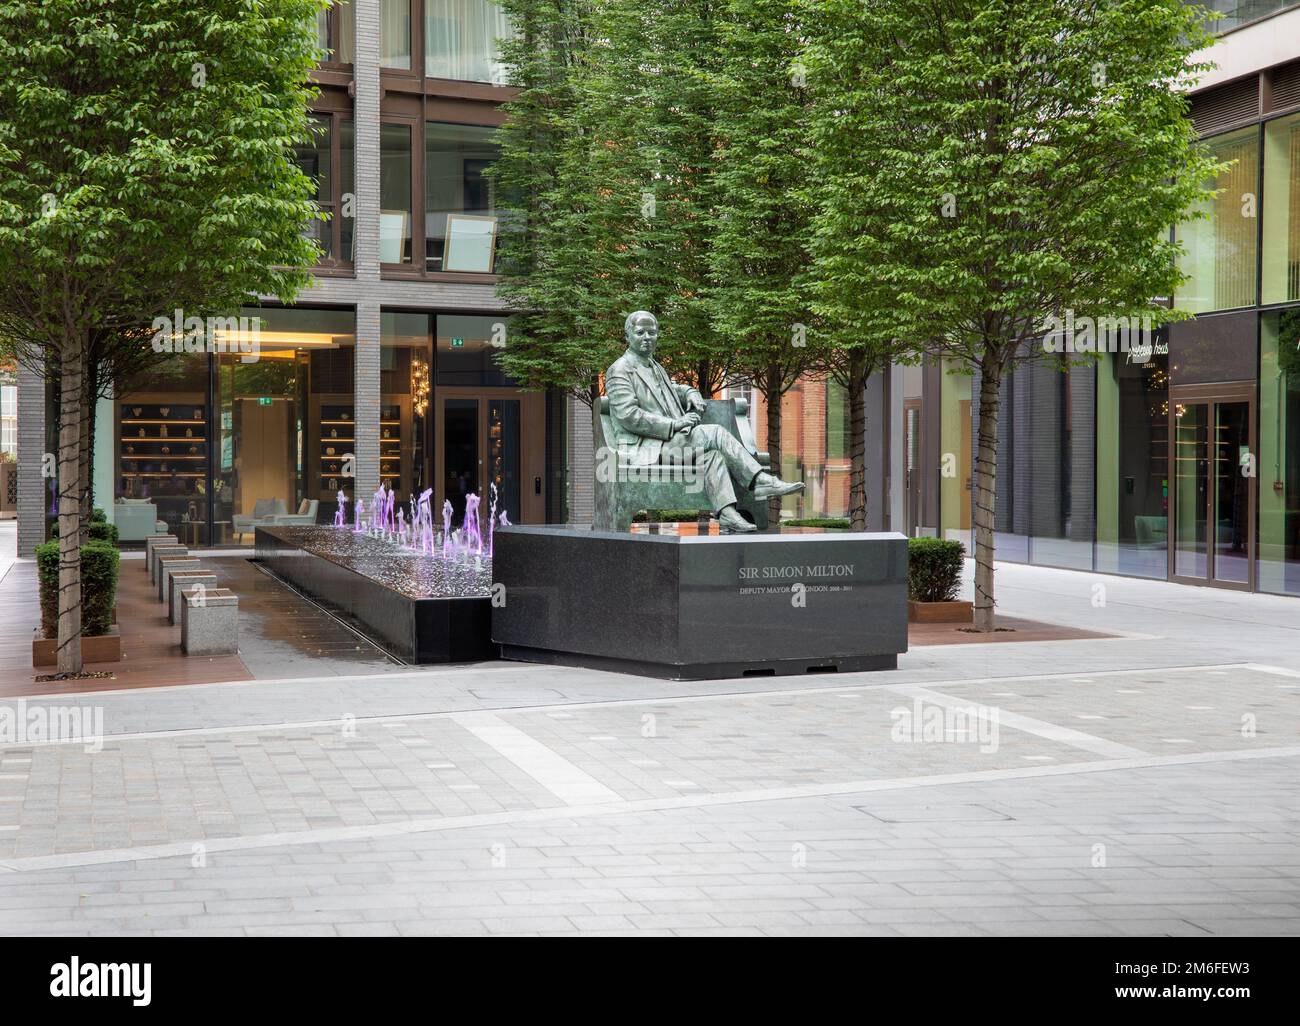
(698, 404)
(685, 423)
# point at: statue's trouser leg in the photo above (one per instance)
(718, 458)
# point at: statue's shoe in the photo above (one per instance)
(732, 522)
(774, 486)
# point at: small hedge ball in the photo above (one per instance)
(934, 568)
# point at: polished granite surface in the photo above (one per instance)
(396, 567)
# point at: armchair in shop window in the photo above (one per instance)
(1151, 532)
(264, 513)
(305, 517)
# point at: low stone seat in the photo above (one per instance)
(157, 541)
(660, 485)
(209, 621)
(181, 579)
(168, 567)
(164, 556)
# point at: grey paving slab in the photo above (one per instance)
(1146, 784)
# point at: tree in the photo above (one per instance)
(998, 163)
(560, 337)
(145, 166)
(759, 293)
(606, 160)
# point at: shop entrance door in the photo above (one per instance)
(1213, 461)
(485, 438)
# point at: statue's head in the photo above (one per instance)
(641, 329)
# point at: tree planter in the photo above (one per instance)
(95, 648)
(941, 612)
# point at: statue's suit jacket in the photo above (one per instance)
(643, 403)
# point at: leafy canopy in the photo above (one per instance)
(145, 160)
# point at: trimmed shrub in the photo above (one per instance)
(100, 563)
(98, 516)
(837, 523)
(105, 532)
(934, 569)
(669, 516)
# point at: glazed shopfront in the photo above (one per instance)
(1179, 461)
(211, 444)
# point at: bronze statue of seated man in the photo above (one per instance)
(658, 421)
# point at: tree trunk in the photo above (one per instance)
(986, 472)
(704, 379)
(857, 442)
(71, 398)
(772, 397)
(86, 456)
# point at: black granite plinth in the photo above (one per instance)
(423, 609)
(689, 608)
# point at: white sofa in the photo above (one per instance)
(264, 513)
(305, 517)
(136, 519)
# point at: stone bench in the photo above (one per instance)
(624, 489)
(209, 621)
(181, 579)
(167, 567)
(164, 557)
(156, 542)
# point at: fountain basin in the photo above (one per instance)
(422, 608)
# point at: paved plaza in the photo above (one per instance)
(1146, 783)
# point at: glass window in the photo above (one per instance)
(334, 185)
(336, 32)
(314, 159)
(1061, 465)
(460, 40)
(9, 418)
(1279, 453)
(395, 34)
(285, 430)
(406, 386)
(1219, 249)
(347, 188)
(467, 348)
(460, 212)
(395, 194)
(1282, 210)
(1133, 464)
(163, 427)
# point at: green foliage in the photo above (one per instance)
(652, 159)
(101, 531)
(832, 523)
(1008, 163)
(100, 564)
(983, 166)
(934, 568)
(98, 516)
(669, 516)
(146, 166)
(145, 162)
(1288, 342)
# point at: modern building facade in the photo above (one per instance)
(1181, 462)
(382, 370)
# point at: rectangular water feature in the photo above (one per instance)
(423, 608)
